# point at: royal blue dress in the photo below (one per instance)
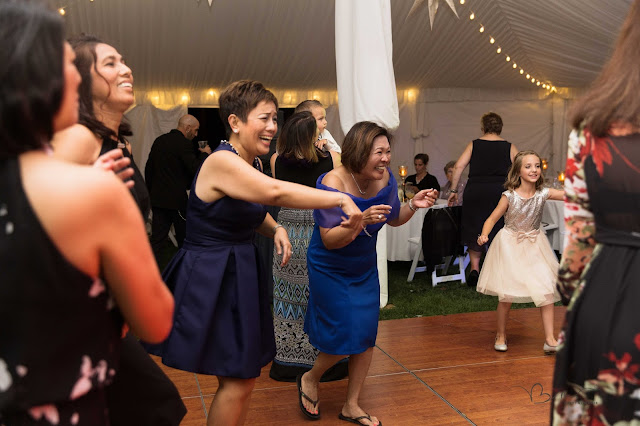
(222, 322)
(344, 291)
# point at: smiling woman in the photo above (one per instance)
(223, 324)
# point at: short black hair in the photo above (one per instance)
(31, 74)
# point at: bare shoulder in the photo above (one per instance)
(76, 144)
(335, 179)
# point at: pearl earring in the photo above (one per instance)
(235, 130)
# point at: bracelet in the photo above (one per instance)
(411, 207)
(275, 228)
(454, 191)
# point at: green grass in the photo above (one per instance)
(418, 298)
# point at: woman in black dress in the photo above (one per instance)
(65, 233)
(106, 92)
(597, 375)
(422, 179)
(489, 158)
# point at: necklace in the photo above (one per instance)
(356, 182)
(256, 161)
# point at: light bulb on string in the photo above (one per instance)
(521, 71)
(528, 76)
(508, 58)
(461, 1)
(515, 65)
(499, 49)
(61, 11)
(533, 80)
(472, 16)
(492, 40)
(538, 84)
(482, 29)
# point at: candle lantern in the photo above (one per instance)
(402, 171)
(561, 177)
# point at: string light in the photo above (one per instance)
(61, 11)
(492, 40)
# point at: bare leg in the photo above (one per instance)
(358, 368)
(474, 259)
(311, 378)
(547, 313)
(503, 315)
(231, 403)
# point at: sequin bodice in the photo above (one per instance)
(525, 214)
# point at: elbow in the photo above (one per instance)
(162, 324)
(274, 194)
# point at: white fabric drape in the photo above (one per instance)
(366, 82)
(364, 63)
(149, 122)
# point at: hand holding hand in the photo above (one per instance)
(425, 198)
(282, 244)
(482, 239)
(115, 162)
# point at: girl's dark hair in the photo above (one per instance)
(84, 45)
(357, 144)
(513, 177)
(614, 94)
(240, 98)
(296, 141)
(491, 123)
(31, 74)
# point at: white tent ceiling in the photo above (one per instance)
(290, 44)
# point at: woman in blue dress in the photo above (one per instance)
(342, 315)
(222, 322)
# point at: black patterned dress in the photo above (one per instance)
(597, 374)
(294, 353)
(59, 332)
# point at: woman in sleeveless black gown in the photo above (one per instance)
(109, 94)
(597, 374)
(489, 159)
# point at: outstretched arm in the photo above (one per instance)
(497, 213)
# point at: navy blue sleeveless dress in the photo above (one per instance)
(222, 321)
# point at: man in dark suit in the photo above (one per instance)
(170, 169)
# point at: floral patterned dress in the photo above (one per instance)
(597, 374)
(59, 328)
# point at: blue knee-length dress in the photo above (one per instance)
(344, 291)
(222, 319)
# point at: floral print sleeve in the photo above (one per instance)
(579, 221)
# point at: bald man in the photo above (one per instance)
(170, 169)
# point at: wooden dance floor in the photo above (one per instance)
(425, 371)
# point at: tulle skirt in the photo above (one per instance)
(520, 268)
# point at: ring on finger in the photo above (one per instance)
(379, 216)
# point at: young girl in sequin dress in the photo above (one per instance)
(520, 266)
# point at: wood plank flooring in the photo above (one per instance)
(425, 371)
